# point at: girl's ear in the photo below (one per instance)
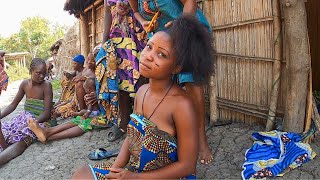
(177, 69)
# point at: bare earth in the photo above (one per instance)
(59, 159)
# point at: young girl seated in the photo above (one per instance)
(162, 139)
(38, 105)
(77, 127)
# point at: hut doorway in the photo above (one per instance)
(313, 13)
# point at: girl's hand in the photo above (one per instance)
(122, 8)
(90, 98)
(120, 173)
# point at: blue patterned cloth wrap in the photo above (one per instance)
(275, 153)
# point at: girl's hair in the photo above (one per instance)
(35, 62)
(193, 49)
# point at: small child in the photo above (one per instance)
(76, 127)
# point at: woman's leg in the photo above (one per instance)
(12, 152)
(83, 173)
(125, 109)
(196, 92)
(44, 133)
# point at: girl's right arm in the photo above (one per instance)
(123, 156)
(107, 22)
(11, 107)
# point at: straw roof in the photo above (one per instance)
(76, 7)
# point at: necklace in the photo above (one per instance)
(158, 103)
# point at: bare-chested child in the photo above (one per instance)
(38, 105)
(77, 127)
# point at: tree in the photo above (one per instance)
(35, 36)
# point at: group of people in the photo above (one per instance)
(168, 112)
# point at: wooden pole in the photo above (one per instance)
(84, 35)
(93, 43)
(276, 71)
(24, 61)
(298, 64)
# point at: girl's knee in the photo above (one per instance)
(83, 173)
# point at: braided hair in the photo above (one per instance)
(35, 62)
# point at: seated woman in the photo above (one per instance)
(38, 105)
(162, 140)
(77, 127)
(66, 109)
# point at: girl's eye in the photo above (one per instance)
(148, 46)
(161, 55)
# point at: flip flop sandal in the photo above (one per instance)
(114, 134)
(102, 153)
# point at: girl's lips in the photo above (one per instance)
(145, 65)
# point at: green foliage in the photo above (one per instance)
(17, 73)
(56, 84)
(36, 36)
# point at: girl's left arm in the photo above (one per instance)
(189, 6)
(48, 94)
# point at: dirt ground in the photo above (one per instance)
(59, 159)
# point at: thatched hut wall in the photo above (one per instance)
(70, 46)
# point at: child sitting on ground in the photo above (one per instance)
(162, 136)
(76, 127)
(38, 105)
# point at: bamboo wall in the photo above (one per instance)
(244, 41)
(95, 15)
(313, 15)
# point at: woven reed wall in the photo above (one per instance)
(95, 17)
(313, 15)
(243, 33)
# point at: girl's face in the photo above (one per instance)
(90, 62)
(157, 60)
(76, 66)
(39, 73)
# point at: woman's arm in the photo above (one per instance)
(137, 15)
(189, 6)
(48, 94)
(11, 107)
(107, 22)
(123, 156)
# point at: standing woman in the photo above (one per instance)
(167, 11)
(117, 64)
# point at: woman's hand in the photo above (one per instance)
(122, 8)
(145, 24)
(90, 98)
(120, 173)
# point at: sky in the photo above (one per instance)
(13, 12)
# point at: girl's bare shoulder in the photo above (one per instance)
(179, 96)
